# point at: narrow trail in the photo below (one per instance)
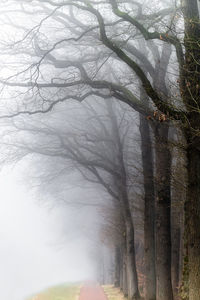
(92, 291)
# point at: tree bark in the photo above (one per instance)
(149, 210)
(133, 291)
(177, 211)
(124, 277)
(177, 231)
(175, 263)
(163, 204)
(191, 97)
(122, 268)
(192, 221)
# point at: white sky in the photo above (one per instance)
(29, 233)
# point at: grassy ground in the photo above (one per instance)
(113, 293)
(61, 292)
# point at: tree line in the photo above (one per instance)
(145, 59)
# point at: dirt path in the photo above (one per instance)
(92, 292)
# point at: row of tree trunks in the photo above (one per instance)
(165, 267)
(121, 182)
(163, 270)
(157, 220)
(158, 269)
(158, 272)
(166, 230)
(161, 275)
(169, 245)
(157, 214)
(125, 262)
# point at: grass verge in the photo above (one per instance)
(113, 293)
(61, 292)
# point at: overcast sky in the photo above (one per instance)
(32, 252)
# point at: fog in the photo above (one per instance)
(58, 210)
(96, 126)
(33, 254)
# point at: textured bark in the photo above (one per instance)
(163, 204)
(132, 278)
(133, 291)
(131, 271)
(149, 211)
(123, 272)
(179, 182)
(178, 196)
(121, 269)
(192, 222)
(191, 98)
(175, 264)
(124, 278)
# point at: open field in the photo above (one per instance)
(61, 292)
(113, 293)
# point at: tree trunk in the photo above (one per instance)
(191, 97)
(177, 232)
(179, 182)
(175, 265)
(132, 278)
(121, 268)
(149, 211)
(163, 204)
(124, 273)
(192, 221)
(133, 291)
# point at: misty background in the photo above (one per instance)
(41, 245)
(99, 146)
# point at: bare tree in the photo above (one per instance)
(82, 74)
(101, 153)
